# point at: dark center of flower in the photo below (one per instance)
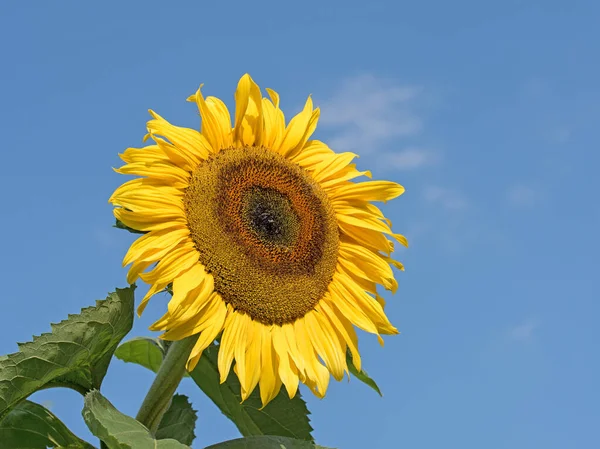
(266, 222)
(266, 232)
(270, 215)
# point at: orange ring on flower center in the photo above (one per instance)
(265, 230)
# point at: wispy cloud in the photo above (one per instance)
(521, 195)
(408, 159)
(449, 199)
(367, 111)
(523, 332)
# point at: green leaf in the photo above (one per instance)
(75, 354)
(282, 416)
(266, 442)
(145, 351)
(119, 431)
(361, 375)
(119, 224)
(31, 426)
(179, 421)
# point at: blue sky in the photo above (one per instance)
(485, 111)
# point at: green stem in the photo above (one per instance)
(167, 380)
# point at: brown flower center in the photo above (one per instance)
(265, 230)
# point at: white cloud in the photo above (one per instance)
(449, 199)
(408, 159)
(523, 332)
(367, 111)
(521, 195)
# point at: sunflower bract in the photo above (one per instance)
(265, 237)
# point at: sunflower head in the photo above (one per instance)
(265, 237)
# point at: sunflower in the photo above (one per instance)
(264, 238)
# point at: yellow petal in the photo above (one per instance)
(191, 144)
(366, 216)
(369, 191)
(194, 301)
(154, 289)
(179, 156)
(248, 113)
(155, 241)
(253, 362)
(212, 307)
(186, 283)
(193, 309)
(380, 300)
(345, 329)
(150, 203)
(343, 176)
(324, 341)
(178, 260)
(394, 263)
(274, 97)
(298, 131)
(400, 239)
(136, 268)
(366, 303)
(239, 349)
(373, 240)
(147, 187)
(366, 222)
(231, 337)
(147, 222)
(148, 154)
(269, 383)
(216, 126)
(312, 153)
(340, 298)
(314, 370)
(187, 302)
(272, 123)
(331, 166)
(207, 335)
(366, 284)
(221, 113)
(310, 129)
(289, 333)
(368, 264)
(287, 371)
